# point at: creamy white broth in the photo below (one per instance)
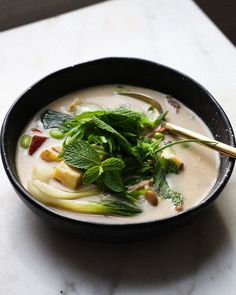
(200, 164)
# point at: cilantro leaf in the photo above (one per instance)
(80, 154)
(112, 164)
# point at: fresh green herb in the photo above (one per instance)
(92, 174)
(80, 154)
(162, 168)
(159, 120)
(113, 149)
(112, 164)
(113, 180)
(121, 119)
(53, 119)
(165, 192)
(120, 138)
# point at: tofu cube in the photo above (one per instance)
(68, 176)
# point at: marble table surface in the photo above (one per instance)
(199, 258)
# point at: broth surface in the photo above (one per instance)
(200, 164)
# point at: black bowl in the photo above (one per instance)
(129, 71)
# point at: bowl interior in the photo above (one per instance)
(119, 71)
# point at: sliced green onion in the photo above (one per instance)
(54, 192)
(107, 207)
(25, 141)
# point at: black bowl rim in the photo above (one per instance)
(60, 216)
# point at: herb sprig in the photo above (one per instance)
(113, 150)
(80, 154)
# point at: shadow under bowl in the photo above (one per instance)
(130, 71)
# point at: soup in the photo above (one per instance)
(147, 172)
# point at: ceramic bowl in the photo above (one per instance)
(130, 71)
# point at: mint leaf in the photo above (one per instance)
(123, 119)
(89, 115)
(113, 180)
(80, 154)
(111, 164)
(147, 123)
(121, 139)
(104, 126)
(92, 174)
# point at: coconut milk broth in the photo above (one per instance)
(200, 164)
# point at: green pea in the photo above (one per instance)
(25, 141)
(159, 135)
(56, 134)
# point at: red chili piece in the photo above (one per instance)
(36, 142)
(36, 130)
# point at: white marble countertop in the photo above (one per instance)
(197, 259)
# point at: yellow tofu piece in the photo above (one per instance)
(68, 176)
